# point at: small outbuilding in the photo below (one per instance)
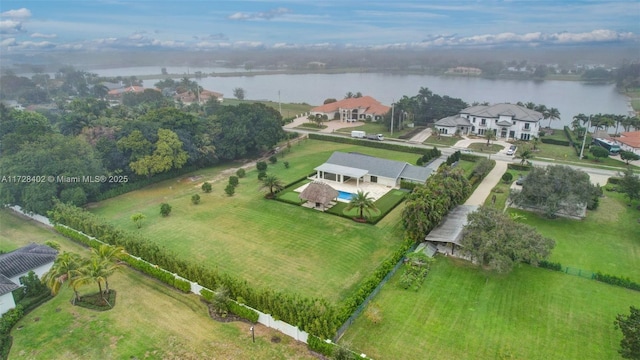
(319, 194)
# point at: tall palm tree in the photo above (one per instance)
(111, 256)
(362, 202)
(552, 114)
(272, 183)
(490, 135)
(63, 270)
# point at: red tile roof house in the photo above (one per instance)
(17, 264)
(353, 109)
(629, 141)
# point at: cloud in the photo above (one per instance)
(17, 14)
(10, 27)
(8, 42)
(44, 36)
(268, 15)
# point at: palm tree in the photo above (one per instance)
(111, 256)
(530, 105)
(552, 114)
(525, 155)
(362, 202)
(490, 135)
(94, 270)
(63, 270)
(272, 183)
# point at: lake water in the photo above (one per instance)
(570, 97)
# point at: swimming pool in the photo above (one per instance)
(343, 195)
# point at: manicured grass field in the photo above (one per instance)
(462, 312)
(442, 141)
(268, 243)
(375, 128)
(482, 147)
(149, 320)
(608, 240)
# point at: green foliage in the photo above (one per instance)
(234, 181)
(408, 185)
(617, 281)
(273, 159)
(550, 265)
(262, 175)
(286, 164)
(555, 142)
(165, 209)
(630, 327)
(629, 156)
(243, 311)
(469, 157)
(482, 168)
(492, 239)
(182, 285)
(428, 155)
(230, 190)
(320, 346)
(32, 285)
(599, 152)
(519, 167)
(167, 155)
(427, 204)
(207, 294)
(195, 199)
(206, 187)
(629, 185)
(52, 244)
(373, 144)
(363, 203)
(137, 218)
(10, 318)
(453, 158)
(507, 177)
(416, 269)
(240, 173)
(261, 166)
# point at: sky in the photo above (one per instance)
(94, 25)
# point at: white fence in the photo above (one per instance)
(264, 319)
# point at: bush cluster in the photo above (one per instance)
(617, 281)
(518, 167)
(550, 265)
(453, 158)
(469, 157)
(320, 346)
(577, 146)
(314, 315)
(7, 321)
(429, 155)
(243, 311)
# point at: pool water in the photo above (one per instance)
(345, 195)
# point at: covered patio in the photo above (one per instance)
(339, 173)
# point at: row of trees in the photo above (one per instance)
(423, 108)
(89, 139)
(604, 121)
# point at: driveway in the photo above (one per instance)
(489, 182)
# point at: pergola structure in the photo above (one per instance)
(339, 173)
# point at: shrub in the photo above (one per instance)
(206, 187)
(165, 209)
(286, 164)
(615, 180)
(233, 180)
(10, 318)
(617, 281)
(243, 311)
(273, 159)
(230, 190)
(550, 265)
(469, 157)
(207, 294)
(261, 166)
(195, 199)
(555, 142)
(240, 173)
(320, 346)
(182, 285)
(262, 175)
(507, 177)
(519, 167)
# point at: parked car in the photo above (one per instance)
(521, 180)
(512, 150)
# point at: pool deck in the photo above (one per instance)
(375, 191)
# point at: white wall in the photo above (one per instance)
(6, 303)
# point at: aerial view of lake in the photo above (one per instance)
(570, 97)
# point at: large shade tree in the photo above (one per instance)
(492, 239)
(630, 327)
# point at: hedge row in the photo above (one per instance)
(615, 180)
(7, 321)
(428, 156)
(550, 265)
(313, 315)
(518, 167)
(572, 141)
(617, 281)
(243, 311)
(320, 346)
(374, 144)
(469, 157)
(555, 141)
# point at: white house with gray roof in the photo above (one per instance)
(17, 264)
(342, 167)
(507, 121)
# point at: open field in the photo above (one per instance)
(288, 109)
(462, 312)
(149, 320)
(375, 128)
(268, 243)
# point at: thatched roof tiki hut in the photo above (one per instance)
(319, 194)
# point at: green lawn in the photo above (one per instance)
(149, 320)
(608, 240)
(375, 128)
(288, 109)
(268, 243)
(462, 312)
(442, 141)
(482, 147)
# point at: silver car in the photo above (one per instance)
(512, 150)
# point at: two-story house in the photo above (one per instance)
(506, 121)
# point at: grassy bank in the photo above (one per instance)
(462, 312)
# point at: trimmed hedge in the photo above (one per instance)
(617, 281)
(469, 157)
(368, 143)
(518, 167)
(615, 180)
(555, 142)
(320, 346)
(207, 294)
(182, 285)
(550, 265)
(243, 311)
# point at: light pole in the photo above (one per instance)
(393, 105)
(584, 137)
(253, 336)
